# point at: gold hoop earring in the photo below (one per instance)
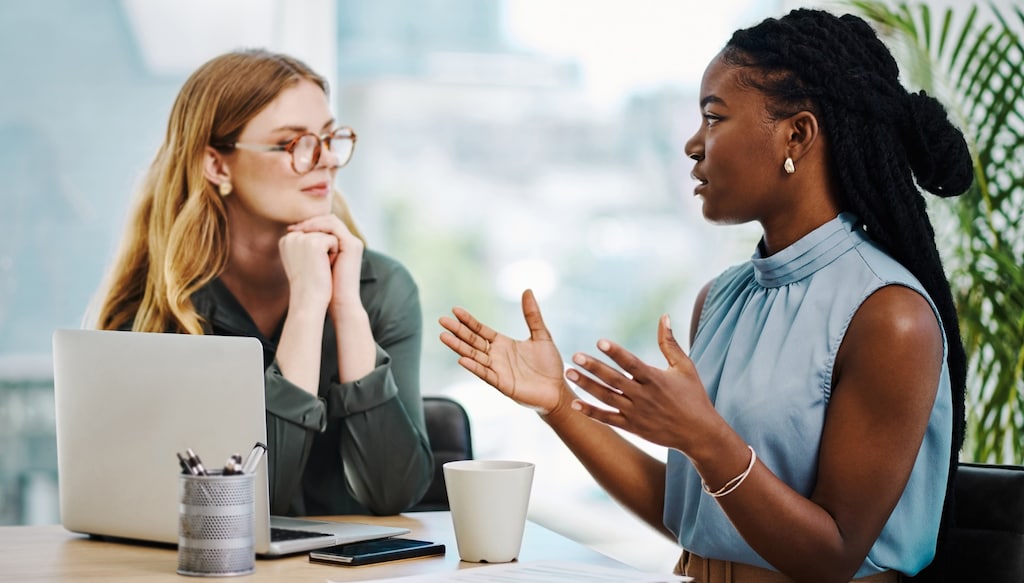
(788, 166)
(224, 188)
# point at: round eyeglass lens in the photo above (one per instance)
(340, 143)
(304, 155)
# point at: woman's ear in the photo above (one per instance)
(802, 134)
(215, 167)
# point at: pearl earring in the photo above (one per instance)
(788, 166)
(224, 188)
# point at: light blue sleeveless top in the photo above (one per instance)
(765, 348)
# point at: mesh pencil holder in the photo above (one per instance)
(215, 525)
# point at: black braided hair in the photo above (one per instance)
(882, 138)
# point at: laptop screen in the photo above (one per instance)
(127, 402)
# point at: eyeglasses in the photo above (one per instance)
(305, 149)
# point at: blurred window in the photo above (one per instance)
(502, 145)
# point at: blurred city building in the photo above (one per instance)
(485, 164)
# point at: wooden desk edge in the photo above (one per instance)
(51, 553)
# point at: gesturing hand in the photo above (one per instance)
(662, 406)
(529, 371)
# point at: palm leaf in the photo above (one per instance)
(974, 65)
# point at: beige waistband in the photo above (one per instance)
(715, 571)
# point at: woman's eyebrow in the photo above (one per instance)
(296, 128)
(290, 129)
(711, 99)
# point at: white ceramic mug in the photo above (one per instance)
(488, 500)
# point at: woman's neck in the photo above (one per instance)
(812, 204)
(256, 277)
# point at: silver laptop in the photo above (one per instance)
(127, 402)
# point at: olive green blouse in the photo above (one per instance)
(358, 447)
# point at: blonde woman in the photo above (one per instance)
(239, 231)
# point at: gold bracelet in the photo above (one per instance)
(733, 483)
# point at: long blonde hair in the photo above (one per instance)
(177, 234)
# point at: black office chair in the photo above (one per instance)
(986, 539)
(450, 440)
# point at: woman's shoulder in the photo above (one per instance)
(379, 265)
(388, 290)
(884, 266)
(386, 281)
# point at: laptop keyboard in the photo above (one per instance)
(283, 534)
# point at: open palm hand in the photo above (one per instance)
(528, 371)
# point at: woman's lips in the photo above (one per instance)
(318, 189)
(701, 183)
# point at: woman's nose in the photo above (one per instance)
(694, 147)
(328, 159)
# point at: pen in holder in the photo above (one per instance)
(215, 524)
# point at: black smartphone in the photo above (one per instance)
(376, 551)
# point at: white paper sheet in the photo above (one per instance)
(540, 572)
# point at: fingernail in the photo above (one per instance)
(572, 375)
(576, 406)
(604, 345)
(668, 322)
(579, 358)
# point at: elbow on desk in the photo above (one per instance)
(397, 490)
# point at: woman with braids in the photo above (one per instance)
(239, 231)
(813, 427)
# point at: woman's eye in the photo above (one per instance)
(710, 119)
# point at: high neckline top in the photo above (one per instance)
(766, 345)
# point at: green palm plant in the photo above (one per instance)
(970, 58)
